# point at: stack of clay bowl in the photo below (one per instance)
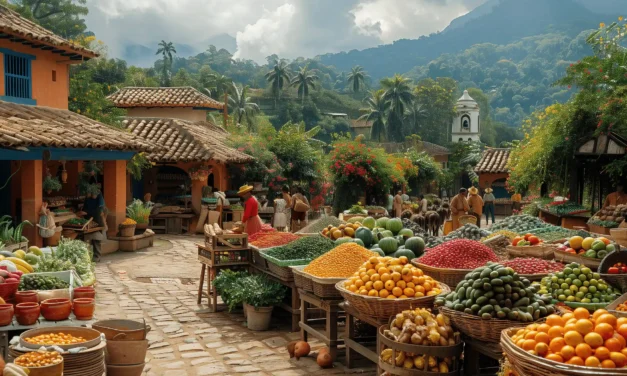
(88, 362)
(126, 346)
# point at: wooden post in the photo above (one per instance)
(115, 193)
(32, 192)
(225, 111)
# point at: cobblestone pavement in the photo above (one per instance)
(185, 339)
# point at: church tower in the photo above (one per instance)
(466, 124)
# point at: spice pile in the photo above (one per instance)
(391, 278)
(341, 262)
(321, 224)
(458, 254)
(271, 239)
(305, 248)
(533, 266)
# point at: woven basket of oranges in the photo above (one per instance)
(127, 228)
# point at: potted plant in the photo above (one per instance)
(260, 295)
(200, 173)
(51, 184)
(229, 288)
(140, 213)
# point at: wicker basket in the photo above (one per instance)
(259, 261)
(467, 219)
(126, 231)
(620, 236)
(69, 234)
(283, 272)
(302, 280)
(476, 327)
(325, 287)
(384, 308)
(616, 280)
(532, 365)
(613, 305)
(566, 258)
(450, 277)
(533, 277)
(543, 251)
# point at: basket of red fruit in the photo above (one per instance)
(530, 246)
(613, 269)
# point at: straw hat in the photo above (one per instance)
(473, 190)
(488, 190)
(244, 189)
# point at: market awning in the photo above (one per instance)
(610, 144)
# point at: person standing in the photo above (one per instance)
(488, 204)
(516, 200)
(398, 205)
(405, 197)
(475, 203)
(459, 206)
(424, 204)
(389, 205)
(616, 198)
(251, 219)
(94, 208)
(300, 206)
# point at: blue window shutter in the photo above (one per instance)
(18, 77)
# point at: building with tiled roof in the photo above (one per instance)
(493, 161)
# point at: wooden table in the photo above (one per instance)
(212, 267)
(566, 221)
(350, 338)
(294, 307)
(331, 307)
(171, 223)
(474, 349)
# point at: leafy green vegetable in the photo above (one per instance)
(308, 247)
(77, 252)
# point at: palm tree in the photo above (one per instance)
(278, 77)
(220, 84)
(375, 113)
(413, 113)
(166, 49)
(356, 78)
(304, 80)
(398, 96)
(242, 107)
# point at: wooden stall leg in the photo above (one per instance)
(202, 281)
(471, 361)
(295, 306)
(303, 318)
(332, 332)
(349, 334)
(211, 290)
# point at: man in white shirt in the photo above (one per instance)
(405, 197)
(424, 204)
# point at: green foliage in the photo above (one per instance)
(398, 97)
(437, 98)
(260, 291)
(279, 78)
(88, 97)
(374, 113)
(10, 234)
(226, 284)
(167, 50)
(356, 78)
(138, 211)
(297, 157)
(304, 81)
(62, 17)
(136, 165)
(241, 106)
(51, 184)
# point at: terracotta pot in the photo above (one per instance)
(58, 309)
(6, 314)
(26, 297)
(84, 308)
(126, 352)
(84, 292)
(27, 313)
(132, 370)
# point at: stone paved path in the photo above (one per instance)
(184, 342)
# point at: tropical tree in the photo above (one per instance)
(219, 84)
(413, 114)
(375, 114)
(398, 96)
(167, 50)
(304, 80)
(278, 78)
(242, 107)
(357, 78)
(63, 17)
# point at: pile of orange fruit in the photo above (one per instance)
(578, 338)
(391, 278)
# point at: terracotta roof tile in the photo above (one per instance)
(163, 97)
(185, 141)
(493, 161)
(14, 24)
(32, 126)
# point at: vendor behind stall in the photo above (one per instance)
(251, 210)
(616, 198)
(95, 208)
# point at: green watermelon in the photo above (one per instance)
(401, 239)
(395, 225)
(404, 252)
(388, 245)
(358, 241)
(365, 235)
(379, 251)
(355, 219)
(369, 222)
(406, 233)
(385, 234)
(416, 244)
(343, 240)
(381, 222)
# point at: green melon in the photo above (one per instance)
(343, 240)
(369, 222)
(365, 235)
(358, 241)
(395, 225)
(381, 222)
(401, 239)
(31, 258)
(407, 233)
(404, 252)
(379, 251)
(388, 245)
(355, 219)
(385, 234)
(416, 244)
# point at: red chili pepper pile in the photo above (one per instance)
(533, 266)
(271, 239)
(459, 254)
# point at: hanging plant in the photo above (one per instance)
(51, 184)
(200, 173)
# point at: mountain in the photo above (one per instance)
(496, 21)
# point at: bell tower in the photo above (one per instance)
(466, 125)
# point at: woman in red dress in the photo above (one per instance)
(251, 219)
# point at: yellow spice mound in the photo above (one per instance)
(340, 262)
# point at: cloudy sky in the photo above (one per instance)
(288, 28)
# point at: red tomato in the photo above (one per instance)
(527, 236)
(612, 270)
(516, 240)
(534, 240)
(570, 250)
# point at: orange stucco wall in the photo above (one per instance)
(31, 179)
(44, 90)
(184, 113)
(115, 193)
(486, 180)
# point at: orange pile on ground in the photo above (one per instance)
(578, 338)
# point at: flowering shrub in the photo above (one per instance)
(264, 168)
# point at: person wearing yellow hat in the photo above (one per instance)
(251, 219)
(488, 204)
(475, 202)
(459, 207)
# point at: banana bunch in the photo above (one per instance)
(21, 265)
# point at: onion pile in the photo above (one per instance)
(459, 254)
(533, 266)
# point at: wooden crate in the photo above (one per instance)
(223, 257)
(221, 242)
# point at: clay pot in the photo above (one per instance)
(132, 370)
(58, 309)
(84, 308)
(126, 352)
(6, 314)
(84, 292)
(27, 313)
(26, 297)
